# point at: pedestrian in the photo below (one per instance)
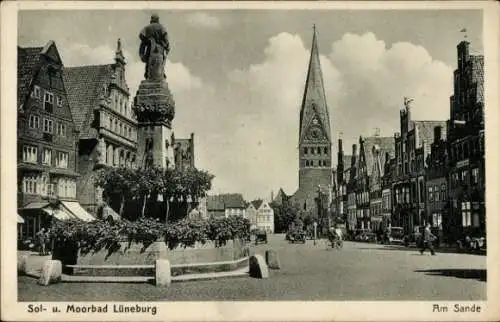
(41, 241)
(428, 238)
(48, 244)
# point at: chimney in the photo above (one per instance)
(437, 133)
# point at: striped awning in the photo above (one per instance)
(20, 219)
(76, 210)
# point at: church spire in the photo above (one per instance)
(314, 107)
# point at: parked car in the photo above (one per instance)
(396, 236)
(356, 235)
(260, 236)
(471, 244)
(297, 236)
(368, 237)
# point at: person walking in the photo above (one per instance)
(428, 239)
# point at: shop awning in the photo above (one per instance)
(35, 205)
(76, 210)
(58, 214)
(20, 219)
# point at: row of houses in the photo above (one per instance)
(72, 121)
(428, 172)
(258, 212)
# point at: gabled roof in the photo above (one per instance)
(215, 203)
(84, 84)
(425, 132)
(221, 202)
(257, 203)
(314, 99)
(383, 144)
(28, 60)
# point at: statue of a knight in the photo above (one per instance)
(154, 48)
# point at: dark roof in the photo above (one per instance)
(27, 65)
(257, 203)
(214, 203)
(384, 144)
(221, 202)
(84, 85)
(426, 132)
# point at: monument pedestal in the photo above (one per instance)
(155, 110)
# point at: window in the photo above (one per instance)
(37, 92)
(30, 153)
(319, 150)
(407, 195)
(47, 156)
(475, 175)
(305, 150)
(61, 129)
(62, 159)
(48, 126)
(130, 132)
(115, 127)
(120, 129)
(464, 176)
(59, 101)
(30, 184)
(34, 122)
(48, 102)
(475, 220)
(326, 150)
(466, 214)
(43, 186)
(436, 193)
(436, 220)
(443, 192)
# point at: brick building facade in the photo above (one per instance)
(314, 141)
(46, 136)
(466, 145)
(100, 103)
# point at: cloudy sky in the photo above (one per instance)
(238, 75)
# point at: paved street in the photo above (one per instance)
(357, 272)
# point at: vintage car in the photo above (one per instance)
(395, 236)
(297, 236)
(367, 237)
(260, 236)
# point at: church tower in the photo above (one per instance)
(315, 155)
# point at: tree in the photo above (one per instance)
(284, 215)
(117, 182)
(179, 186)
(183, 186)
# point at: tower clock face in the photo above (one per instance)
(314, 133)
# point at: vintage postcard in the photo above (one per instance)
(261, 161)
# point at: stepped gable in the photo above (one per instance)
(84, 85)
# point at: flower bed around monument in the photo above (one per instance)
(135, 243)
